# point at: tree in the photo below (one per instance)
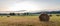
(12, 14)
(26, 14)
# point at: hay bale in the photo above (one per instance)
(8, 16)
(1, 16)
(50, 15)
(44, 17)
(57, 15)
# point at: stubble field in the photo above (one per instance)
(28, 21)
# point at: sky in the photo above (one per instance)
(29, 5)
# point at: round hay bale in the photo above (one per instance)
(8, 16)
(44, 17)
(57, 15)
(50, 15)
(1, 16)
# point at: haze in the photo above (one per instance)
(29, 5)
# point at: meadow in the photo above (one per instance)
(28, 21)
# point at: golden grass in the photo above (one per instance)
(28, 21)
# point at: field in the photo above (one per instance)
(28, 21)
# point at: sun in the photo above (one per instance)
(23, 6)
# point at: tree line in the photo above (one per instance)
(12, 14)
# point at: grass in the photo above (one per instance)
(28, 21)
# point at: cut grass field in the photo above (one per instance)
(28, 21)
